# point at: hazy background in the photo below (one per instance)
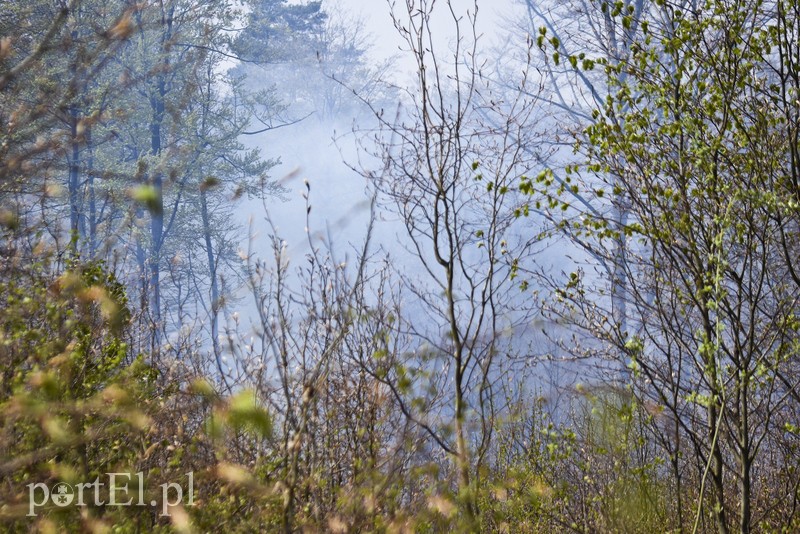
(319, 151)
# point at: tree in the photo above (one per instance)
(315, 61)
(695, 140)
(452, 178)
(277, 31)
(220, 171)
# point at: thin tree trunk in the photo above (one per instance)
(717, 467)
(158, 107)
(745, 462)
(462, 452)
(74, 180)
(212, 270)
(92, 196)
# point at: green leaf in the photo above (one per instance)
(147, 195)
(245, 413)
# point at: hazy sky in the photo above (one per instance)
(378, 20)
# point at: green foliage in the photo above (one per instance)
(695, 141)
(279, 31)
(77, 404)
(73, 397)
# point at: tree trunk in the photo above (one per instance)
(462, 454)
(74, 180)
(158, 107)
(717, 467)
(92, 196)
(212, 272)
(745, 461)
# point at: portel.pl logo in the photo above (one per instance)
(121, 489)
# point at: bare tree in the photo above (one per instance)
(452, 165)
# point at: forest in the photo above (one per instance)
(256, 277)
